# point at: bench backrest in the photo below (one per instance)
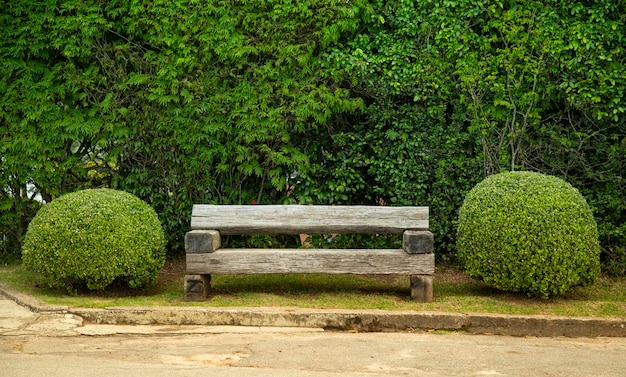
(296, 219)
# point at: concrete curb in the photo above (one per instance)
(361, 320)
(341, 320)
(30, 302)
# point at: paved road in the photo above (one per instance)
(62, 345)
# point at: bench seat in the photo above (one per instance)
(206, 257)
(302, 261)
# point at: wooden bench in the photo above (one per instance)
(206, 257)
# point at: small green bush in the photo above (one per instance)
(92, 238)
(528, 232)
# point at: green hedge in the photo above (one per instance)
(92, 238)
(459, 90)
(528, 232)
(394, 102)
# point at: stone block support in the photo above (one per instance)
(197, 287)
(422, 288)
(418, 242)
(202, 241)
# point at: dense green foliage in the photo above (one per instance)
(226, 92)
(410, 145)
(365, 101)
(177, 101)
(458, 90)
(94, 237)
(528, 232)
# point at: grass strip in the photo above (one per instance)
(453, 290)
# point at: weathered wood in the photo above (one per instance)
(422, 287)
(329, 261)
(418, 242)
(296, 219)
(205, 257)
(202, 241)
(197, 287)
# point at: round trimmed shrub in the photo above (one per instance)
(528, 232)
(94, 237)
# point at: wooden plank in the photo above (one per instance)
(296, 219)
(298, 261)
(418, 242)
(202, 241)
(422, 288)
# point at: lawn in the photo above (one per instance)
(454, 291)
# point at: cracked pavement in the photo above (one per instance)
(59, 344)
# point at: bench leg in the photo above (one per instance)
(197, 287)
(422, 288)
